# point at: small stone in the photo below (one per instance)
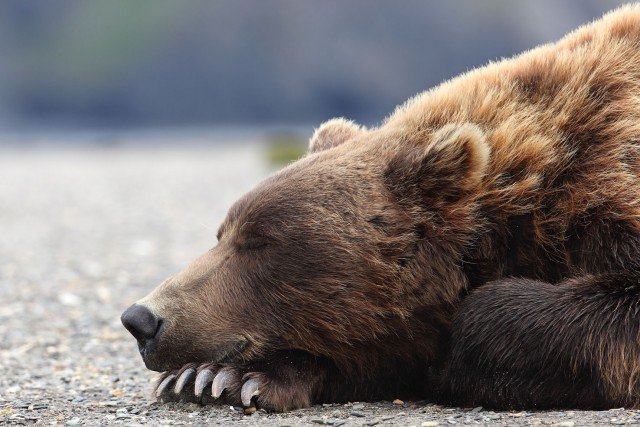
(117, 392)
(477, 409)
(358, 406)
(37, 406)
(357, 414)
(429, 423)
(565, 424)
(73, 422)
(398, 402)
(69, 299)
(372, 423)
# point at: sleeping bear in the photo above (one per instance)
(480, 247)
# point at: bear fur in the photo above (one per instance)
(480, 247)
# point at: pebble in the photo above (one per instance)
(37, 406)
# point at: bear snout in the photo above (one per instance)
(143, 325)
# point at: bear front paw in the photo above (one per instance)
(206, 383)
(233, 385)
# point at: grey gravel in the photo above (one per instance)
(84, 233)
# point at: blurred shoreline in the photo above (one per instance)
(164, 63)
(195, 136)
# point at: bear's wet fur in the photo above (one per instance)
(480, 247)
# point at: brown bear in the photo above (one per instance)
(480, 247)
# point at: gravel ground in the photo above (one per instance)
(84, 233)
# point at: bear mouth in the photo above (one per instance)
(230, 353)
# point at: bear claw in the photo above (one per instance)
(183, 379)
(164, 384)
(250, 389)
(221, 382)
(203, 379)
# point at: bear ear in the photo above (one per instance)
(453, 163)
(333, 133)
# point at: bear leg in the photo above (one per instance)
(520, 343)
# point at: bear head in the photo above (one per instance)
(349, 254)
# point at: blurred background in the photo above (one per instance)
(127, 129)
(248, 65)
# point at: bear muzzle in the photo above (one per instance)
(160, 352)
(145, 327)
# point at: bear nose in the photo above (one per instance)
(141, 322)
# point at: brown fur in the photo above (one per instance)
(351, 264)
